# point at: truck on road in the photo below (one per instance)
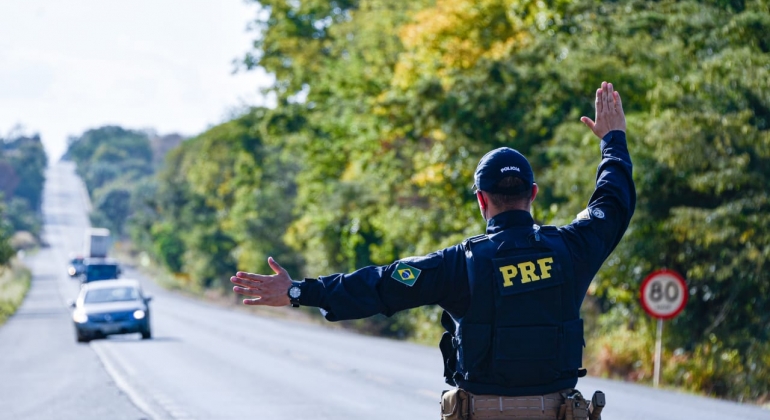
(97, 243)
(95, 264)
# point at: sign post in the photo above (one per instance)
(663, 294)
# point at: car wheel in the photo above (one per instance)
(146, 334)
(82, 338)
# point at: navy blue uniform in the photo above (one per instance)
(443, 275)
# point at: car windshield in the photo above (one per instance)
(114, 294)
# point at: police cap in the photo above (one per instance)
(500, 163)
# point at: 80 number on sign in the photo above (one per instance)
(664, 294)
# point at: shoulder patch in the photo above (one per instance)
(598, 213)
(478, 238)
(474, 240)
(406, 274)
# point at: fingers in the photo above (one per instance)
(275, 266)
(588, 122)
(259, 297)
(599, 104)
(268, 300)
(609, 112)
(253, 299)
(261, 277)
(244, 282)
(269, 290)
(264, 301)
(248, 291)
(606, 97)
(251, 276)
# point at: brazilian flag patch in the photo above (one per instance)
(406, 274)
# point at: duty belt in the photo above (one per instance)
(494, 406)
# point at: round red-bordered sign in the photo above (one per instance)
(663, 294)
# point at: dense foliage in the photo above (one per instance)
(6, 251)
(385, 107)
(224, 201)
(116, 165)
(22, 175)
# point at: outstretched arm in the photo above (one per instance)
(437, 278)
(598, 229)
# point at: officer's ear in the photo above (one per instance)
(482, 202)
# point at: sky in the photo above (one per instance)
(67, 66)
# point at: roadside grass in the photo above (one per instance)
(14, 284)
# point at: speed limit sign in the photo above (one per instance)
(664, 294)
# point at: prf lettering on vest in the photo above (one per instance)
(528, 271)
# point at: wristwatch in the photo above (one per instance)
(294, 293)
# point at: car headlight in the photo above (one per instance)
(71, 271)
(79, 316)
(138, 314)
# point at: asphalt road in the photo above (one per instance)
(210, 362)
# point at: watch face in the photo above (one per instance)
(294, 292)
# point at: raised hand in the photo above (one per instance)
(609, 112)
(269, 290)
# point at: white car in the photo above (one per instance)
(109, 307)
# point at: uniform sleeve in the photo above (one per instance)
(597, 230)
(438, 278)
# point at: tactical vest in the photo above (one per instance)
(522, 333)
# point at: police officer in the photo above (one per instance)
(511, 297)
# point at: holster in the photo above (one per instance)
(455, 405)
(575, 407)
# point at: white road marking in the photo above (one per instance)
(127, 368)
(124, 384)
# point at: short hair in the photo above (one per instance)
(513, 201)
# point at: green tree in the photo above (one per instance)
(21, 217)
(8, 179)
(223, 201)
(106, 153)
(6, 252)
(27, 157)
(112, 161)
(111, 207)
(22, 175)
